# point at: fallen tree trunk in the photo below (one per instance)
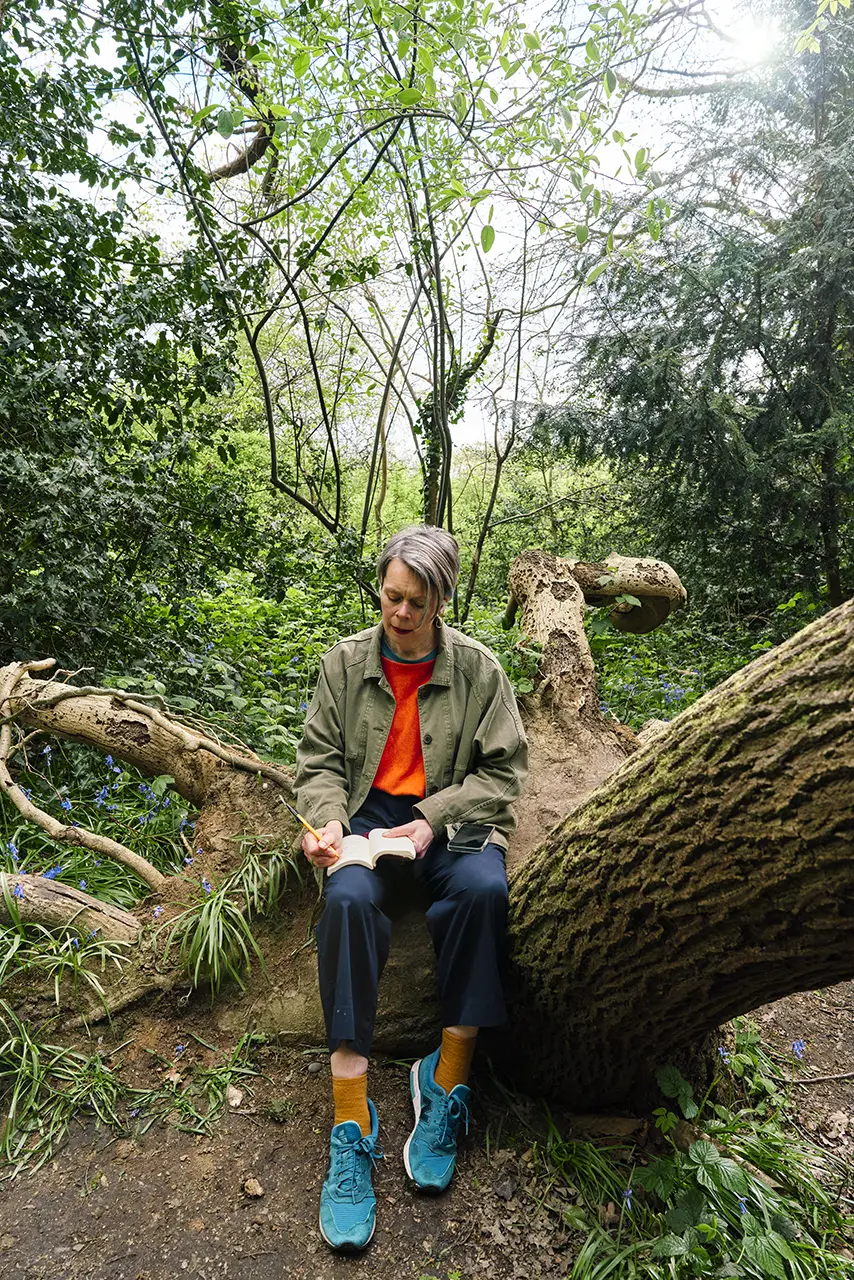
(711, 873)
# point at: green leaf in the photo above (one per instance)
(610, 82)
(302, 62)
(670, 1079)
(670, 1247)
(597, 271)
(224, 124)
(592, 50)
(425, 60)
(461, 104)
(532, 40)
(409, 97)
(784, 1226)
(689, 1209)
(457, 187)
(205, 112)
(760, 1249)
(429, 87)
(487, 237)
(704, 1154)
(581, 233)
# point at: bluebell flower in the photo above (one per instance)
(93, 933)
(206, 885)
(627, 1197)
(798, 1048)
(724, 1052)
(188, 861)
(52, 873)
(134, 1113)
(742, 1204)
(13, 848)
(66, 804)
(179, 1049)
(158, 912)
(46, 751)
(28, 791)
(117, 768)
(82, 884)
(109, 760)
(75, 942)
(18, 891)
(303, 706)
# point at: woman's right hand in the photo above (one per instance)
(327, 851)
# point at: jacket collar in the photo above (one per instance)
(443, 667)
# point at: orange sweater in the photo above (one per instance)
(401, 768)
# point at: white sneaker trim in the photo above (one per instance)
(415, 1090)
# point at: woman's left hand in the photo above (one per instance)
(420, 833)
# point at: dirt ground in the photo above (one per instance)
(166, 1203)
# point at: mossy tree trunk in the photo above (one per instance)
(711, 873)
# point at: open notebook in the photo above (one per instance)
(363, 851)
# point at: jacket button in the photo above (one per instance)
(428, 738)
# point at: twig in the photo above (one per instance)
(845, 1075)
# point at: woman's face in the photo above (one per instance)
(409, 611)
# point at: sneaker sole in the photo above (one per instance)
(347, 1248)
(415, 1091)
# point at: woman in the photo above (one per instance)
(413, 727)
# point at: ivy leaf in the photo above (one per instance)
(487, 237)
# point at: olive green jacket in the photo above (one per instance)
(475, 749)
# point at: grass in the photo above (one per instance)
(214, 935)
(45, 1086)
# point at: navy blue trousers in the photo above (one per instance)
(467, 919)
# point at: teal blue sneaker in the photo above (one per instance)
(348, 1206)
(431, 1148)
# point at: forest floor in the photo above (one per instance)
(168, 1204)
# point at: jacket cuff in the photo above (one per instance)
(432, 808)
(318, 817)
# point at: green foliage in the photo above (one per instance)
(214, 936)
(700, 1209)
(45, 1086)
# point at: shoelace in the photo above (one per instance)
(452, 1111)
(349, 1177)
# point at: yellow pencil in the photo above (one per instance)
(290, 808)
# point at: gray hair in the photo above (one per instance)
(431, 553)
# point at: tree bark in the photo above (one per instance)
(711, 873)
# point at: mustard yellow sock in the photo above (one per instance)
(454, 1060)
(351, 1101)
